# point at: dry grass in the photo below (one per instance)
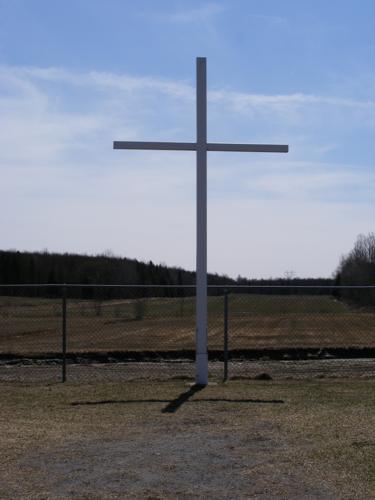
(231, 440)
(30, 326)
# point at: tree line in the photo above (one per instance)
(55, 268)
(357, 268)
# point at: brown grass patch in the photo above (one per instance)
(33, 326)
(232, 439)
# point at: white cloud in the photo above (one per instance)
(294, 110)
(240, 99)
(205, 12)
(63, 187)
(108, 81)
(172, 88)
(273, 20)
(145, 214)
(315, 181)
(267, 237)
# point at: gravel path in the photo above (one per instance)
(95, 372)
(168, 463)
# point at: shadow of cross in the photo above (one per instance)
(174, 405)
(201, 147)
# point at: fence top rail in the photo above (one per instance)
(225, 287)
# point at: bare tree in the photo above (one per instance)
(289, 275)
(358, 268)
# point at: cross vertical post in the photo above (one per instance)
(201, 146)
(201, 270)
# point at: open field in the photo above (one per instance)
(32, 326)
(253, 439)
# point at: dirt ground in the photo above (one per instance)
(100, 334)
(242, 439)
(38, 371)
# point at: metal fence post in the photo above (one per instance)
(225, 335)
(63, 334)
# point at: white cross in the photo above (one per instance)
(201, 147)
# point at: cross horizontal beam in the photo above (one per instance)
(248, 148)
(160, 146)
(211, 146)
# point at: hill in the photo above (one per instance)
(53, 268)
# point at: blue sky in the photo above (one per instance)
(76, 75)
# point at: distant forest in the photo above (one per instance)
(54, 268)
(355, 268)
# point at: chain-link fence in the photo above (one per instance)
(291, 332)
(84, 333)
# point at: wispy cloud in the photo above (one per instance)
(119, 82)
(44, 107)
(22, 77)
(274, 20)
(279, 102)
(292, 180)
(205, 12)
(69, 191)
